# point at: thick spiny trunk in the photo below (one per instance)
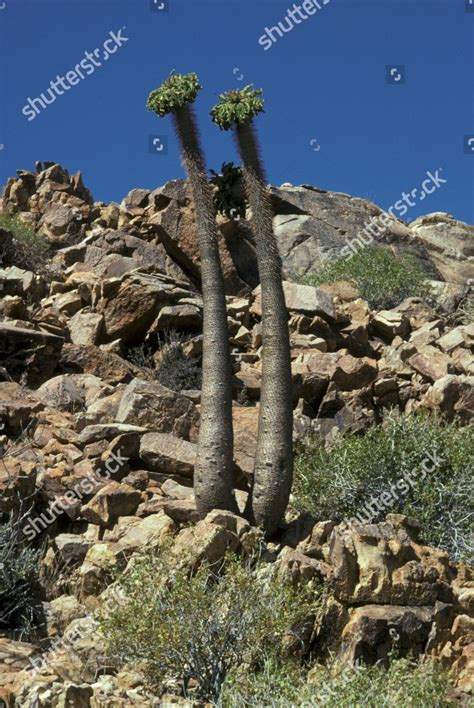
(273, 473)
(214, 472)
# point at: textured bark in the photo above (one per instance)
(273, 474)
(214, 472)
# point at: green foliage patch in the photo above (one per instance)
(237, 107)
(230, 196)
(280, 684)
(186, 633)
(384, 279)
(338, 482)
(177, 91)
(24, 234)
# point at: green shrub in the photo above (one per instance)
(338, 482)
(23, 233)
(278, 685)
(27, 249)
(176, 92)
(19, 576)
(186, 633)
(238, 106)
(383, 278)
(230, 196)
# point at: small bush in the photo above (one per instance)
(466, 312)
(24, 248)
(19, 576)
(141, 356)
(278, 685)
(230, 196)
(23, 233)
(188, 632)
(338, 482)
(174, 369)
(383, 278)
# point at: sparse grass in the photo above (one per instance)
(186, 633)
(171, 366)
(466, 312)
(19, 577)
(383, 278)
(278, 685)
(142, 356)
(337, 483)
(174, 369)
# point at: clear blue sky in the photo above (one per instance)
(325, 81)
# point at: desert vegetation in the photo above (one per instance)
(190, 632)
(384, 279)
(19, 577)
(273, 470)
(339, 481)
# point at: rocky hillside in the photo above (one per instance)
(99, 413)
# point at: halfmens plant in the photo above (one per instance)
(273, 472)
(214, 472)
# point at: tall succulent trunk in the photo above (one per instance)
(273, 473)
(214, 471)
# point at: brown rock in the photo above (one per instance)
(85, 327)
(151, 405)
(431, 363)
(301, 298)
(106, 365)
(452, 395)
(205, 542)
(163, 452)
(383, 563)
(389, 324)
(148, 533)
(352, 373)
(109, 503)
(374, 630)
(245, 421)
(296, 567)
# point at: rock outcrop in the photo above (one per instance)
(104, 450)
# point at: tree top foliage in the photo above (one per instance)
(237, 107)
(175, 92)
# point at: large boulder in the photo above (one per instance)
(165, 453)
(300, 298)
(174, 222)
(449, 243)
(130, 304)
(313, 226)
(373, 631)
(385, 564)
(110, 502)
(153, 406)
